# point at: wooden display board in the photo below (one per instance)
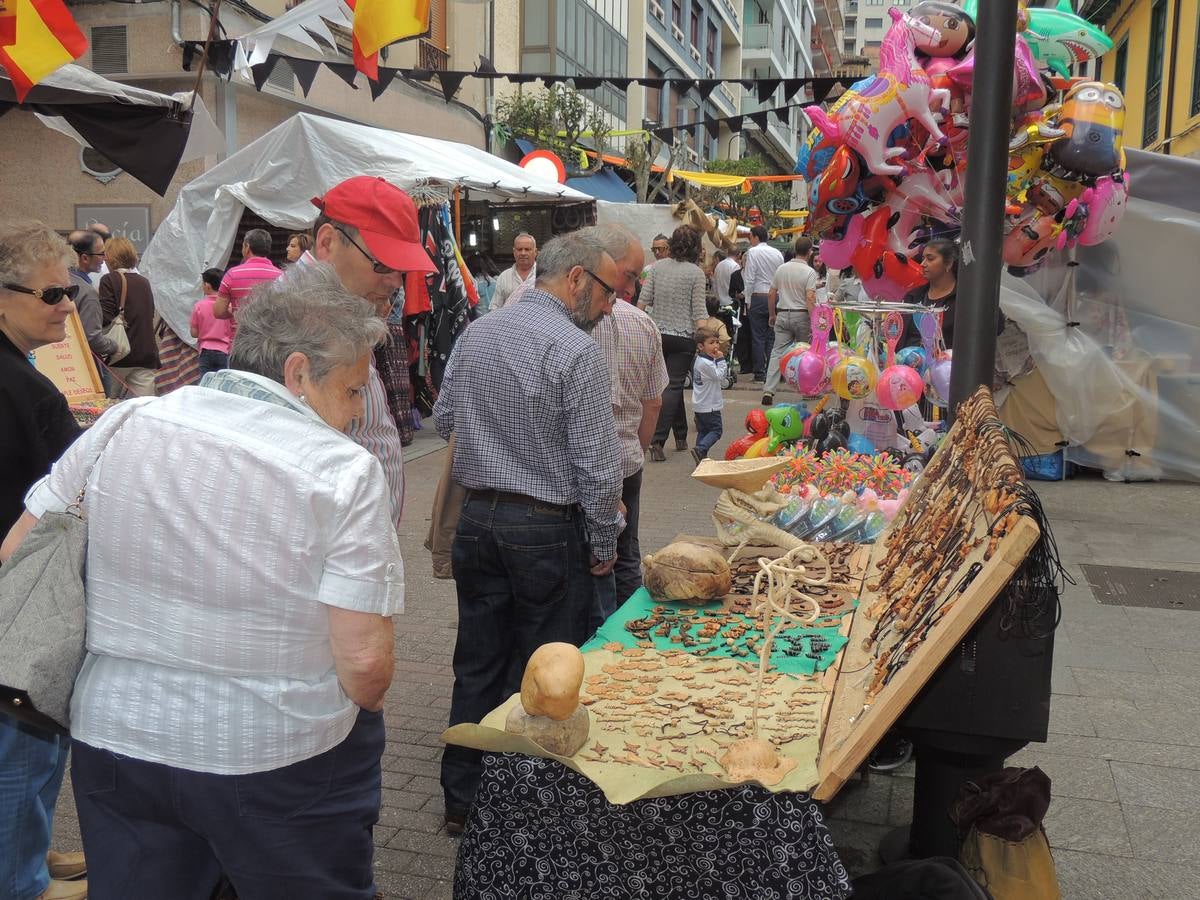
(69, 364)
(856, 722)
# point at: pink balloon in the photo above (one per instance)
(1106, 206)
(899, 387)
(811, 373)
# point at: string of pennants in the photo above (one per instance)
(221, 55)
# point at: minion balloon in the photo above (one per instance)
(1093, 117)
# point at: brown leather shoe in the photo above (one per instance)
(65, 890)
(656, 453)
(66, 866)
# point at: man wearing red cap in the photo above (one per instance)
(368, 231)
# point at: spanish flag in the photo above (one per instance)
(46, 38)
(378, 23)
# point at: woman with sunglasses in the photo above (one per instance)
(36, 427)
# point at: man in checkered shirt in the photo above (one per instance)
(528, 396)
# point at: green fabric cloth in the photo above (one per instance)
(641, 605)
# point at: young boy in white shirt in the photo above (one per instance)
(708, 374)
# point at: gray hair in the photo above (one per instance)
(615, 240)
(565, 252)
(27, 245)
(522, 234)
(304, 311)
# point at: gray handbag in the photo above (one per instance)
(43, 621)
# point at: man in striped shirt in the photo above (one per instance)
(254, 269)
(368, 231)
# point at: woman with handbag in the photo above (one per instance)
(128, 305)
(242, 573)
(36, 427)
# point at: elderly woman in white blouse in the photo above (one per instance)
(242, 572)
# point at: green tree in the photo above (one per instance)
(769, 197)
(555, 119)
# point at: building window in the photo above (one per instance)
(1120, 65)
(874, 44)
(1154, 72)
(695, 26)
(873, 23)
(848, 45)
(1196, 75)
(677, 14)
(653, 95)
(713, 36)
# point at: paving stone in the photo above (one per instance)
(1070, 715)
(418, 842)
(1175, 662)
(900, 810)
(1062, 681)
(393, 860)
(862, 802)
(1088, 825)
(1115, 657)
(1141, 785)
(1166, 835)
(858, 845)
(1073, 776)
(1090, 876)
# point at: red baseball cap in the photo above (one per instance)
(385, 217)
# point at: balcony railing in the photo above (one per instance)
(432, 57)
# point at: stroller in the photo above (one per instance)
(728, 316)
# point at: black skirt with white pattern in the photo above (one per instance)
(539, 830)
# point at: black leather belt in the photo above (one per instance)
(511, 497)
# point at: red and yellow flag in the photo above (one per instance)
(378, 23)
(46, 38)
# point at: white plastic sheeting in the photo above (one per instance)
(1117, 338)
(277, 176)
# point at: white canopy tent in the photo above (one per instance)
(276, 177)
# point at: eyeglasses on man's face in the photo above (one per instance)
(380, 268)
(609, 291)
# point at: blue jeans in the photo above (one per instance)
(709, 427)
(31, 773)
(522, 572)
(302, 830)
(213, 361)
(762, 335)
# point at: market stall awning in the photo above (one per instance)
(604, 185)
(277, 176)
(146, 133)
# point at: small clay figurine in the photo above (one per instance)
(752, 759)
(550, 713)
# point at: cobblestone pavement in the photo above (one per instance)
(1124, 749)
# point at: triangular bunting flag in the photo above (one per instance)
(659, 83)
(821, 88)
(306, 72)
(734, 124)
(621, 84)
(767, 88)
(706, 86)
(781, 115)
(587, 84)
(423, 75)
(379, 85)
(451, 82)
(791, 86)
(521, 78)
(667, 135)
(713, 127)
(759, 119)
(344, 71)
(485, 67)
(263, 70)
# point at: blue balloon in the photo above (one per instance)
(913, 357)
(860, 443)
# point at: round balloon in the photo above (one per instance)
(913, 357)
(939, 380)
(812, 372)
(899, 387)
(854, 378)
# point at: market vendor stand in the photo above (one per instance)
(970, 502)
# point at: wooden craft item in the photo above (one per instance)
(68, 363)
(753, 759)
(686, 571)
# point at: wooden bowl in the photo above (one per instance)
(747, 475)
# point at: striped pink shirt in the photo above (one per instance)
(242, 279)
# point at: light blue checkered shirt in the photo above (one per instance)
(528, 396)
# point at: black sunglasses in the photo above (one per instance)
(380, 268)
(51, 296)
(611, 291)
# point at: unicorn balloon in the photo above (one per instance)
(864, 118)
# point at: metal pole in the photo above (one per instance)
(983, 216)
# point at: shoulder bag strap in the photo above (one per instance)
(124, 291)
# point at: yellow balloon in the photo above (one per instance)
(757, 449)
(854, 378)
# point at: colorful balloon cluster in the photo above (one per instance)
(886, 165)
